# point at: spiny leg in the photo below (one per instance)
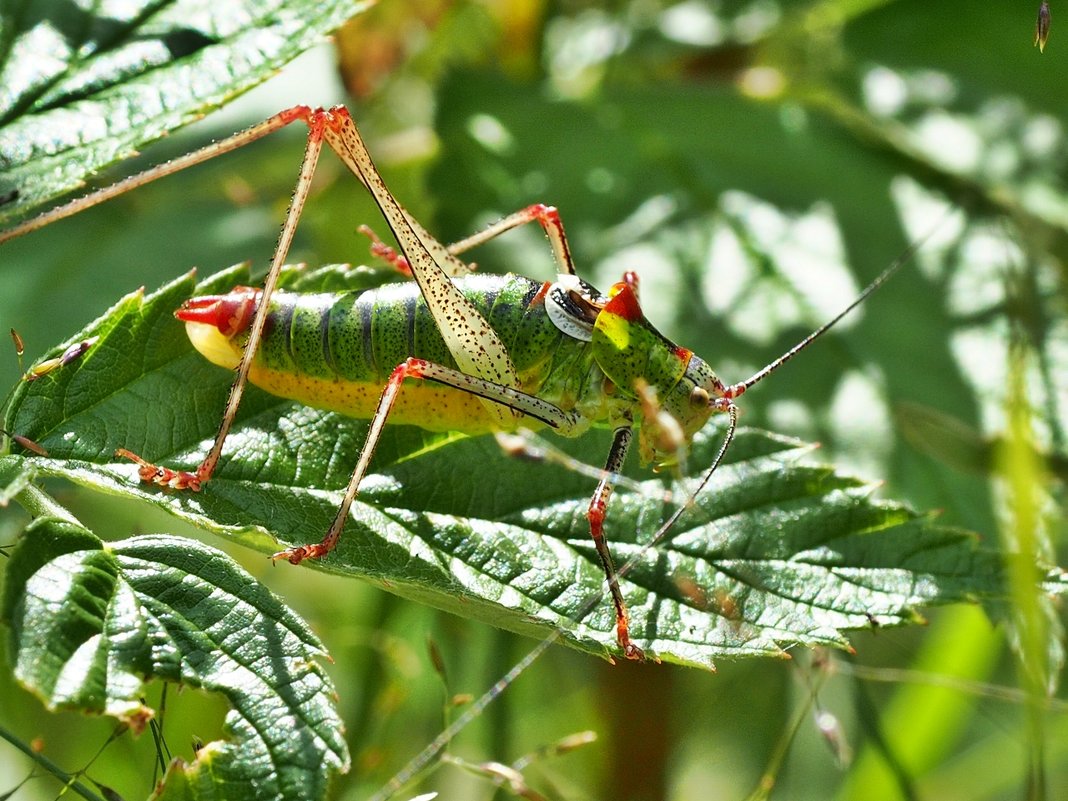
(546, 216)
(227, 145)
(596, 514)
(181, 479)
(381, 250)
(522, 403)
(399, 263)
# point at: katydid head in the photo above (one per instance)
(690, 402)
(669, 381)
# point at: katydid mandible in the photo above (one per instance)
(496, 352)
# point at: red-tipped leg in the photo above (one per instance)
(409, 368)
(298, 553)
(381, 250)
(595, 515)
(164, 476)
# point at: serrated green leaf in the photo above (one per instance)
(90, 623)
(779, 551)
(85, 87)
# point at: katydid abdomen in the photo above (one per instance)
(336, 351)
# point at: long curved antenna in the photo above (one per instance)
(726, 404)
(906, 256)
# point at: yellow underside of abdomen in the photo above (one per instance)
(426, 404)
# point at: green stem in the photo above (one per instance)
(39, 503)
(50, 766)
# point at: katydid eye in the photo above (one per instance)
(699, 397)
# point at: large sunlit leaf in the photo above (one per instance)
(780, 550)
(91, 622)
(85, 86)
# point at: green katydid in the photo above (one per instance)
(486, 352)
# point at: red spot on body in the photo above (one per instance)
(624, 303)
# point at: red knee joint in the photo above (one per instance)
(293, 114)
(546, 216)
(409, 368)
(596, 514)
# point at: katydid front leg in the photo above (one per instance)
(617, 455)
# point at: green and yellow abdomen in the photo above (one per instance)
(336, 351)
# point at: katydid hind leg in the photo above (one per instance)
(509, 397)
(472, 342)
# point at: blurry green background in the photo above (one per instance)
(756, 163)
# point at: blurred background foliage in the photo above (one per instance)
(756, 162)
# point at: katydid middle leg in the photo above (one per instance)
(546, 216)
(414, 368)
(595, 514)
